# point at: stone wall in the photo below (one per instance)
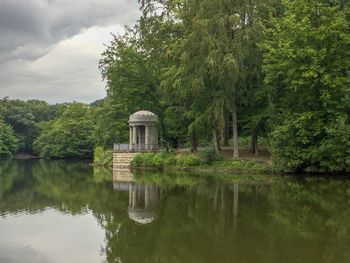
(122, 160)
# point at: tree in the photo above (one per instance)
(8, 141)
(306, 66)
(110, 123)
(24, 116)
(133, 64)
(218, 43)
(70, 135)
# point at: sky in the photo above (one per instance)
(50, 49)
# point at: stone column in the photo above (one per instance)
(134, 136)
(147, 137)
(139, 136)
(155, 137)
(130, 136)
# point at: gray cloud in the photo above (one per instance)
(37, 36)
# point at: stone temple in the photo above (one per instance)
(143, 130)
(143, 137)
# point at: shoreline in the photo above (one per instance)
(203, 169)
(25, 156)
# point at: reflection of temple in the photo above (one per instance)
(143, 198)
(142, 202)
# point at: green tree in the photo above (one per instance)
(110, 123)
(217, 54)
(133, 64)
(8, 141)
(70, 135)
(306, 66)
(24, 116)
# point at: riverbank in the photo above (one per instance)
(204, 161)
(25, 156)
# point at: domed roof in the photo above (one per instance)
(140, 215)
(143, 116)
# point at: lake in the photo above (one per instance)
(64, 211)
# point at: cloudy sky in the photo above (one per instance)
(49, 49)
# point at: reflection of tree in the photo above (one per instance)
(194, 220)
(17, 187)
(5, 181)
(249, 223)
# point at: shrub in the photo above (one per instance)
(207, 155)
(160, 160)
(187, 160)
(310, 142)
(137, 160)
(170, 160)
(102, 157)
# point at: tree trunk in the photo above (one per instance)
(226, 131)
(193, 142)
(254, 142)
(215, 142)
(235, 131)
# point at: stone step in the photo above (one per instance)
(120, 169)
(123, 157)
(121, 166)
(124, 154)
(122, 160)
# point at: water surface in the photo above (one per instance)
(57, 211)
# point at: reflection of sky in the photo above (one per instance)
(50, 236)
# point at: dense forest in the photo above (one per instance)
(212, 71)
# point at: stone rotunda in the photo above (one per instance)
(143, 138)
(143, 131)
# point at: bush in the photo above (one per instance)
(161, 160)
(187, 160)
(170, 160)
(309, 142)
(102, 157)
(184, 161)
(207, 156)
(154, 160)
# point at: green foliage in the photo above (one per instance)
(187, 160)
(8, 141)
(188, 63)
(306, 65)
(163, 160)
(70, 135)
(207, 155)
(24, 117)
(280, 67)
(333, 153)
(305, 143)
(103, 157)
(110, 125)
